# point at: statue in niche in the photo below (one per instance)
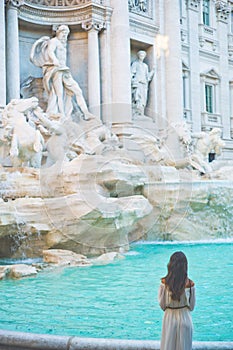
(26, 144)
(50, 55)
(140, 78)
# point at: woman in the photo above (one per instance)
(177, 299)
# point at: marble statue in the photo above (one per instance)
(66, 141)
(26, 142)
(50, 54)
(205, 143)
(140, 78)
(183, 132)
(57, 144)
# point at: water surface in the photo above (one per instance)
(120, 300)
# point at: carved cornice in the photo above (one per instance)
(143, 28)
(222, 10)
(193, 4)
(14, 3)
(62, 3)
(86, 11)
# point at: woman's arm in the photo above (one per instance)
(161, 296)
(192, 299)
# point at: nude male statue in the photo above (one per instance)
(50, 54)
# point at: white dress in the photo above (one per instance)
(177, 326)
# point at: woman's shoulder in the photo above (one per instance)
(189, 283)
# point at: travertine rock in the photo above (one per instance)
(65, 257)
(69, 206)
(22, 270)
(107, 258)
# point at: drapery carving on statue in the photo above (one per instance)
(140, 78)
(50, 54)
(25, 142)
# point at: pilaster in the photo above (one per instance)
(174, 86)
(222, 11)
(194, 62)
(120, 59)
(12, 49)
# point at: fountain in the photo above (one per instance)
(70, 182)
(77, 192)
(80, 183)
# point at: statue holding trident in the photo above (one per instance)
(50, 54)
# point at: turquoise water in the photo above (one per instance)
(120, 300)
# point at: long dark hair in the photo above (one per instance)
(177, 274)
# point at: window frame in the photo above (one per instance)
(209, 98)
(206, 12)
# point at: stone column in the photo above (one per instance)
(173, 66)
(120, 62)
(194, 65)
(2, 56)
(223, 11)
(106, 81)
(12, 49)
(93, 66)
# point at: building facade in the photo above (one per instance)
(189, 44)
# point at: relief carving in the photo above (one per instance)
(222, 9)
(62, 2)
(138, 6)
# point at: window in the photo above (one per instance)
(206, 12)
(231, 22)
(181, 10)
(184, 92)
(209, 98)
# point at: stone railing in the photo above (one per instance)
(29, 341)
(60, 3)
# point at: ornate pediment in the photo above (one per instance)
(185, 67)
(211, 74)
